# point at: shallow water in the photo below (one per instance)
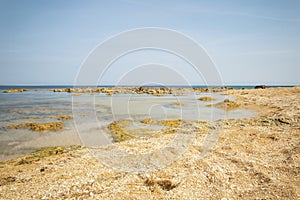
(92, 113)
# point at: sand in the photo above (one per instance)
(256, 158)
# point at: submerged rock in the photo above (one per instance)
(206, 99)
(64, 117)
(119, 131)
(38, 127)
(177, 104)
(226, 104)
(122, 130)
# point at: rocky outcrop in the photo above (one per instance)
(15, 90)
(153, 91)
(260, 87)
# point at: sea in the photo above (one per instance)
(92, 113)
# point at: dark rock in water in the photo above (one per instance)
(260, 87)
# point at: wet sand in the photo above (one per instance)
(253, 158)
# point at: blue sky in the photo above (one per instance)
(251, 42)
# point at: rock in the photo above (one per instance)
(166, 184)
(42, 169)
(206, 99)
(58, 90)
(226, 104)
(163, 184)
(260, 87)
(38, 127)
(119, 133)
(177, 104)
(69, 90)
(64, 117)
(45, 152)
(200, 90)
(147, 121)
(172, 123)
(7, 180)
(15, 90)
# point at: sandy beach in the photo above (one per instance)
(253, 158)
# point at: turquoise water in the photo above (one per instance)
(92, 113)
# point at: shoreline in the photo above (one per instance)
(253, 158)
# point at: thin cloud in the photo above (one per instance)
(195, 9)
(12, 51)
(271, 53)
(243, 14)
(268, 18)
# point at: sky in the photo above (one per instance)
(251, 42)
